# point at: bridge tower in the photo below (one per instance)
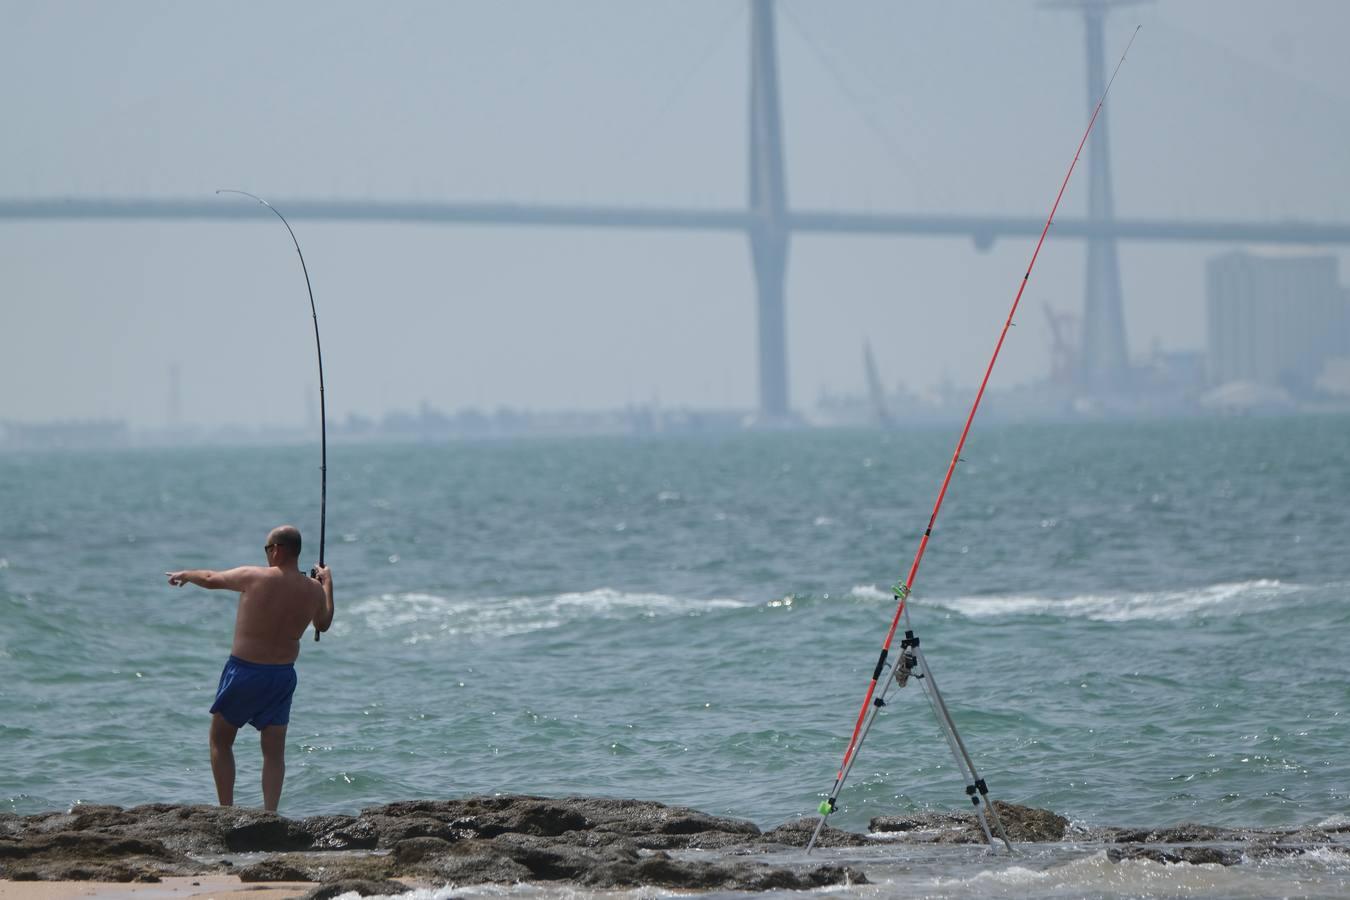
(768, 231)
(1104, 359)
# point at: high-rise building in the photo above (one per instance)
(1274, 320)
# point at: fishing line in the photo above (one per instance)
(902, 589)
(318, 348)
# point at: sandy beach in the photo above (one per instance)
(206, 887)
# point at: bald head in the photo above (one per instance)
(286, 540)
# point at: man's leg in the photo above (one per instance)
(222, 758)
(274, 765)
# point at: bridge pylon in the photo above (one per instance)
(768, 228)
(1104, 360)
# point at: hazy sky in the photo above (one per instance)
(1225, 109)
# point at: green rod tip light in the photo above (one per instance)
(824, 808)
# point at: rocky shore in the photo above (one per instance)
(581, 841)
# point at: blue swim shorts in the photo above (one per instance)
(254, 693)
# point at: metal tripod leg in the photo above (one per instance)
(975, 786)
(877, 704)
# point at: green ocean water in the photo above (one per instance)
(1134, 624)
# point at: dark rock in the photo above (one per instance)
(391, 829)
(436, 809)
(642, 817)
(412, 851)
(273, 869)
(590, 843)
(205, 830)
(1125, 835)
(798, 832)
(769, 879)
(703, 840)
(82, 845)
(662, 870)
(39, 822)
(1306, 836)
(549, 860)
(82, 817)
(1027, 824)
(86, 856)
(930, 827)
(1193, 855)
(1023, 824)
(524, 857)
(544, 818)
(1176, 834)
(322, 867)
(575, 819)
(595, 838)
(1200, 856)
(340, 833)
(917, 822)
(361, 887)
(553, 863)
(472, 861)
(266, 832)
(1294, 843)
(81, 871)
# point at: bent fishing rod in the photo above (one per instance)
(911, 659)
(323, 408)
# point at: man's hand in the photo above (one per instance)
(323, 616)
(177, 579)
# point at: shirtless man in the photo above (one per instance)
(277, 602)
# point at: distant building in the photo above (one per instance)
(1274, 320)
(63, 435)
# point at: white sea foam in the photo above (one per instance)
(543, 891)
(426, 616)
(1096, 875)
(1235, 597)
(1338, 820)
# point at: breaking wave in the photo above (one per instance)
(1097, 876)
(426, 615)
(1124, 606)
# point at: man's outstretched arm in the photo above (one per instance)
(237, 579)
(323, 618)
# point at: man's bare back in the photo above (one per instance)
(276, 604)
(274, 610)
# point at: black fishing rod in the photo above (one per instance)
(318, 348)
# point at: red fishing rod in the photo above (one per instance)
(912, 660)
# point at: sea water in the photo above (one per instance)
(1132, 624)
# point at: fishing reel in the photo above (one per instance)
(904, 668)
(908, 662)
